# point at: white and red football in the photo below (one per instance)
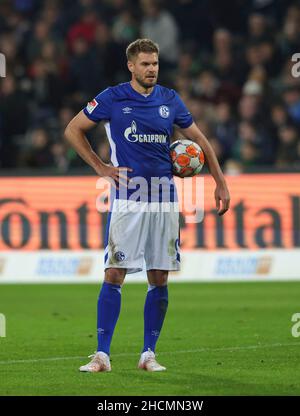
(187, 158)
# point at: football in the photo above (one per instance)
(187, 158)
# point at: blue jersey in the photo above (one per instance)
(139, 127)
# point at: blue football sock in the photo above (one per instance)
(154, 314)
(109, 306)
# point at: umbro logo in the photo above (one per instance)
(127, 110)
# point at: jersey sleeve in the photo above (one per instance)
(183, 117)
(100, 107)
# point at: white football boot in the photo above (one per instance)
(100, 362)
(148, 362)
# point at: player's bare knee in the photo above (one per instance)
(158, 277)
(115, 276)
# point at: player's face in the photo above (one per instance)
(145, 69)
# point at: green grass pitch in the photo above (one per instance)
(218, 339)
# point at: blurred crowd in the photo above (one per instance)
(231, 62)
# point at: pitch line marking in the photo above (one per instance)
(240, 348)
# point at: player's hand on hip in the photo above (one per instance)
(222, 195)
(117, 173)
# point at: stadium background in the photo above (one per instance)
(232, 64)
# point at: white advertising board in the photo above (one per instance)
(196, 265)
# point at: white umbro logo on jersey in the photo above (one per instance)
(91, 106)
(127, 110)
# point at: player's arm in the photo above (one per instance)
(221, 192)
(75, 133)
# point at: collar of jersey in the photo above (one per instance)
(137, 94)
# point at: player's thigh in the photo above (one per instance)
(126, 235)
(162, 248)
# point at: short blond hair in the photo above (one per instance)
(141, 45)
